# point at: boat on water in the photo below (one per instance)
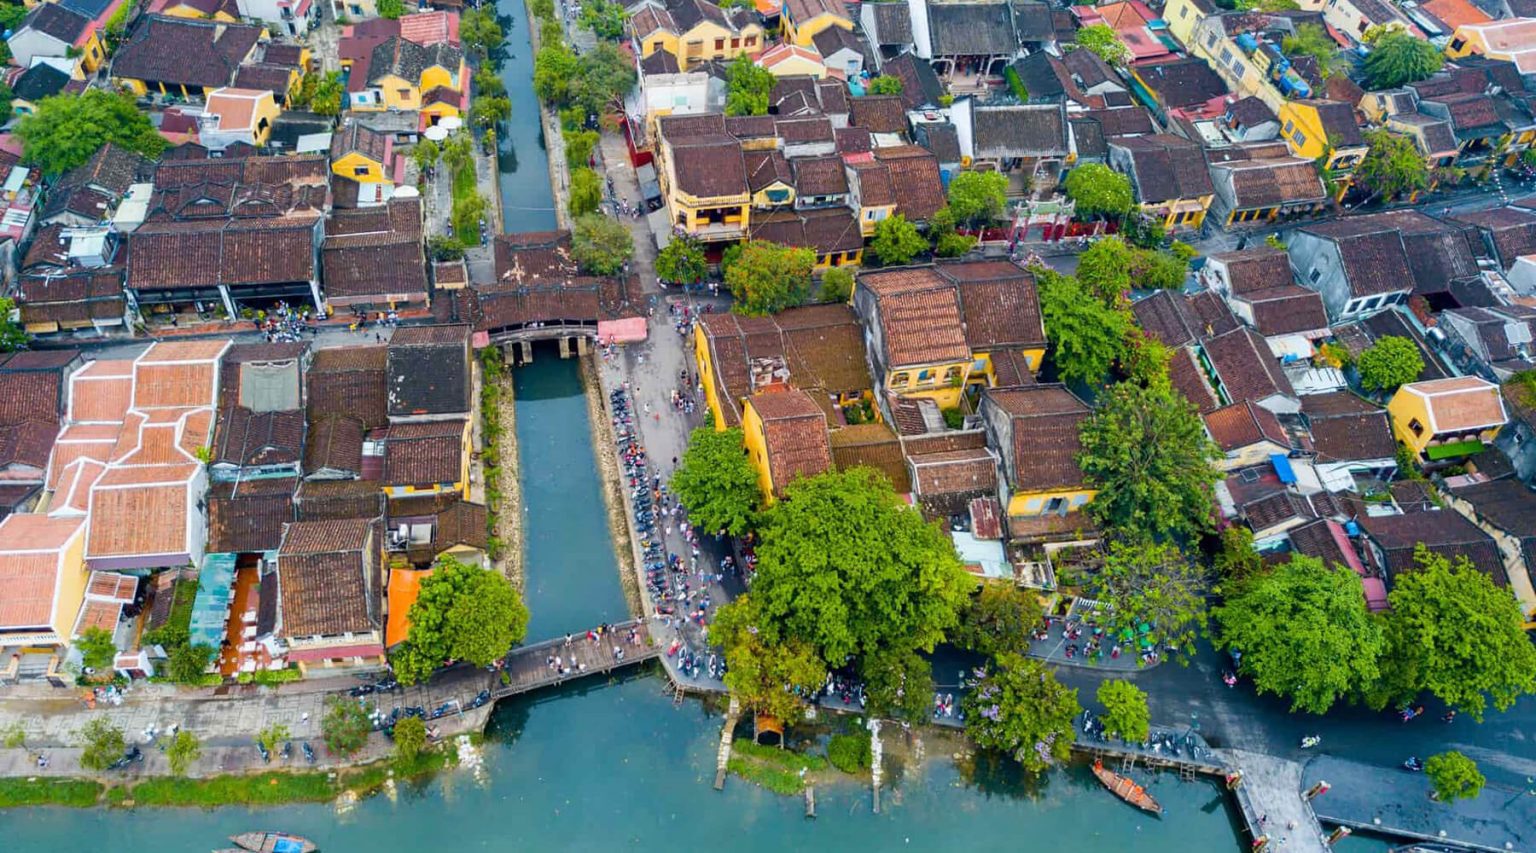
(1126, 789)
(273, 842)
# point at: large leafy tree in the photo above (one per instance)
(67, 129)
(1155, 592)
(766, 278)
(747, 85)
(1392, 166)
(978, 198)
(1304, 633)
(1125, 710)
(999, 619)
(1398, 58)
(1104, 41)
(462, 612)
(1146, 451)
(1388, 363)
(846, 566)
(1020, 709)
(1087, 337)
(897, 241)
(1099, 191)
(101, 744)
(601, 245)
(1105, 269)
(681, 261)
(768, 677)
(1453, 633)
(1454, 777)
(716, 482)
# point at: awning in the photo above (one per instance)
(1283, 468)
(1455, 448)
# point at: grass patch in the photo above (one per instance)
(75, 793)
(850, 753)
(779, 770)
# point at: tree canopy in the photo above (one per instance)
(600, 244)
(847, 567)
(1087, 337)
(462, 612)
(768, 677)
(1392, 166)
(1304, 633)
(1398, 58)
(1104, 41)
(1125, 710)
(999, 619)
(716, 482)
(1021, 710)
(1455, 634)
(1146, 451)
(67, 129)
(1155, 592)
(1388, 363)
(766, 278)
(978, 198)
(897, 241)
(1454, 776)
(747, 85)
(681, 261)
(1099, 191)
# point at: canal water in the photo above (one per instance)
(614, 766)
(527, 201)
(571, 574)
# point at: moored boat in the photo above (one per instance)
(1125, 789)
(273, 842)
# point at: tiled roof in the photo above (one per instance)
(187, 52)
(429, 370)
(999, 304)
(249, 515)
(1244, 424)
(1245, 366)
(430, 453)
(323, 578)
(350, 382)
(795, 433)
(919, 314)
(1044, 422)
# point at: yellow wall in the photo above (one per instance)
(707, 376)
(71, 589)
(938, 385)
(1024, 504)
(352, 165)
(757, 448)
(804, 33)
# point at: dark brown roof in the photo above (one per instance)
(324, 578)
(1245, 366)
(428, 370)
(999, 304)
(187, 52)
(919, 313)
(349, 381)
(420, 454)
(1044, 422)
(795, 435)
(1444, 532)
(249, 515)
(879, 113)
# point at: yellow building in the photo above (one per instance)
(1315, 128)
(360, 153)
(785, 433)
(42, 581)
(801, 20)
(703, 177)
(1035, 428)
(695, 31)
(427, 458)
(1447, 418)
(239, 115)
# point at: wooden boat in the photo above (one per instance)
(1125, 789)
(273, 842)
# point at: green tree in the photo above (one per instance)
(410, 738)
(67, 129)
(716, 482)
(1087, 337)
(885, 84)
(1099, 191)
(999, 619)
(188, 664)
(747, 85)
(1312, 40)
(586, 192)
(579, 147)
(97, 649)
(848, 567)
(767, 677)
(1304, 633)
(1155, 592)
(1105, 269)
(1398, 58)
(898, 684)
(1388, 363)
(390, 9)
(1146, 451)
(1454, 777)
(462, 612)
(102, 743)
(836, 285)
(767, 278)
(1453, 633)
(947, 242)
(272, 737)
(897, 241)
(978, 198)
(681, 261)
(185, 749)
(327, 96)
(1021, 710)
(1104, 41)
(1392, 166)
(1125, 710)
(601, 245)
(554, 67)
(345, 725)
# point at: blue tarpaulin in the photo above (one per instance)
(1282, 465)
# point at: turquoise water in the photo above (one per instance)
(616, 766)
(572, 578)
